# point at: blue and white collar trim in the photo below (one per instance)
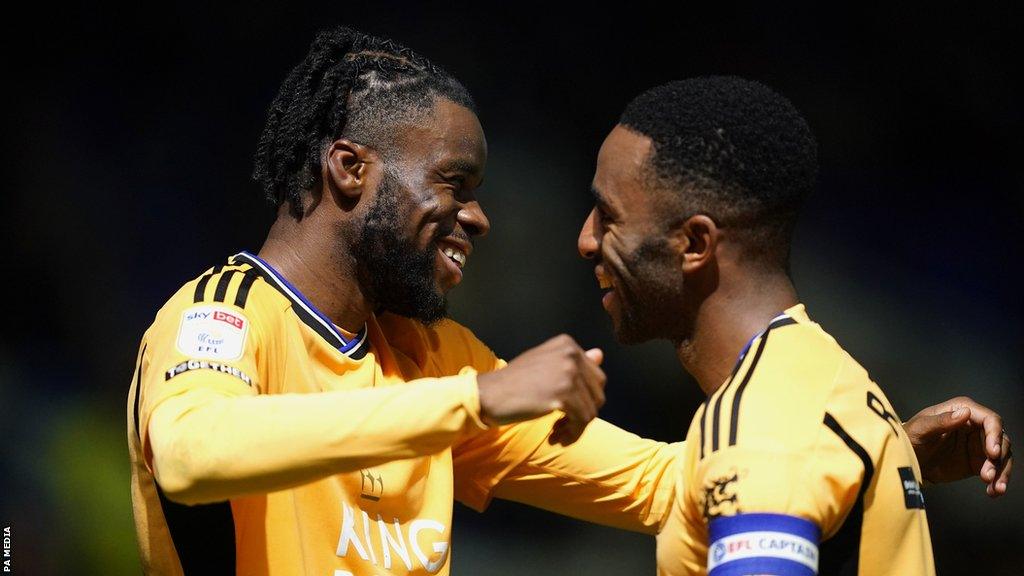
(780, 320)
(354, 348)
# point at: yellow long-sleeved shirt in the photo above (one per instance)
(796, 465)
(265, 440)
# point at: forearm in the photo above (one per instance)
(608, 476)
(208, 447)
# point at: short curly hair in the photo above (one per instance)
(350, 84)
(732, 149)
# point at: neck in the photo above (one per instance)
(727, 319)
(325, 277)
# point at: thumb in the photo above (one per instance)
(930, 427)
(596, 355)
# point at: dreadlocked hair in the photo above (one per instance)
(349, 84)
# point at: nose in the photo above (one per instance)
(473, 220)
(588, 243)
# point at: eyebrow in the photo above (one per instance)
(460, 165)
(598, 198)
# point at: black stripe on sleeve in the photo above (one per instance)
(840, 554)
(138, 390)
(250, 277)
(703, 417)
(203, 535)
(735, 421)
(715, 417)
(200, 294)
(222, 285)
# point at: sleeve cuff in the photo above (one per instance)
(471, 399)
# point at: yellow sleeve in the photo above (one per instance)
(211, 435)
(608, 476)
(818, 484)
(784, 459)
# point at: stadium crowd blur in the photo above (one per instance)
(130, 143)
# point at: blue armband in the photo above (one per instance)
(763, 544)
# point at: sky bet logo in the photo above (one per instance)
(218, 315)
(212, 333)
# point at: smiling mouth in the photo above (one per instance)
(455, 255)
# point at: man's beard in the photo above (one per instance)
(650, 302)
(397, 276)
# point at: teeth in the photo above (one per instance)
(604, 283)
(456, 255)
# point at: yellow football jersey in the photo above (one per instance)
(797, 464)
(250, 387)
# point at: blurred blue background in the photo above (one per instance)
(128, 141)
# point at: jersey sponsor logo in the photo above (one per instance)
(372, 486)
(912, 495)
(763, 544)
(212, 332)
(193, 364)
(719, 497)
(423, 535)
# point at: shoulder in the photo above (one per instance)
(230, 295)
(777, 395)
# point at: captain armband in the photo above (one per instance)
(763, 544)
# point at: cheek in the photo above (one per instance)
(616, 250)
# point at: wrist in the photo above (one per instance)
(475, 402)
(485, 393)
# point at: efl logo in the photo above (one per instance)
(229, 318)
(212, 333)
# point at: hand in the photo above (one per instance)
(960, 438)
(557, 375)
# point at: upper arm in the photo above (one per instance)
(194, 352)
(779, 479)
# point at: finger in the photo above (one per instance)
(926, 428)
(1003, 470)
(993, 426)
(596, 355)
(951, 405)
(988, 472)
(579, 409)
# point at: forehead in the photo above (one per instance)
(448, 134)
(619, 178)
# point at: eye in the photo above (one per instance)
(455, 183)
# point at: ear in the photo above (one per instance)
(348, 167)
(698, 237)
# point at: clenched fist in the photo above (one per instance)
(557, 375)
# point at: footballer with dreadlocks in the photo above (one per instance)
(308, 409)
